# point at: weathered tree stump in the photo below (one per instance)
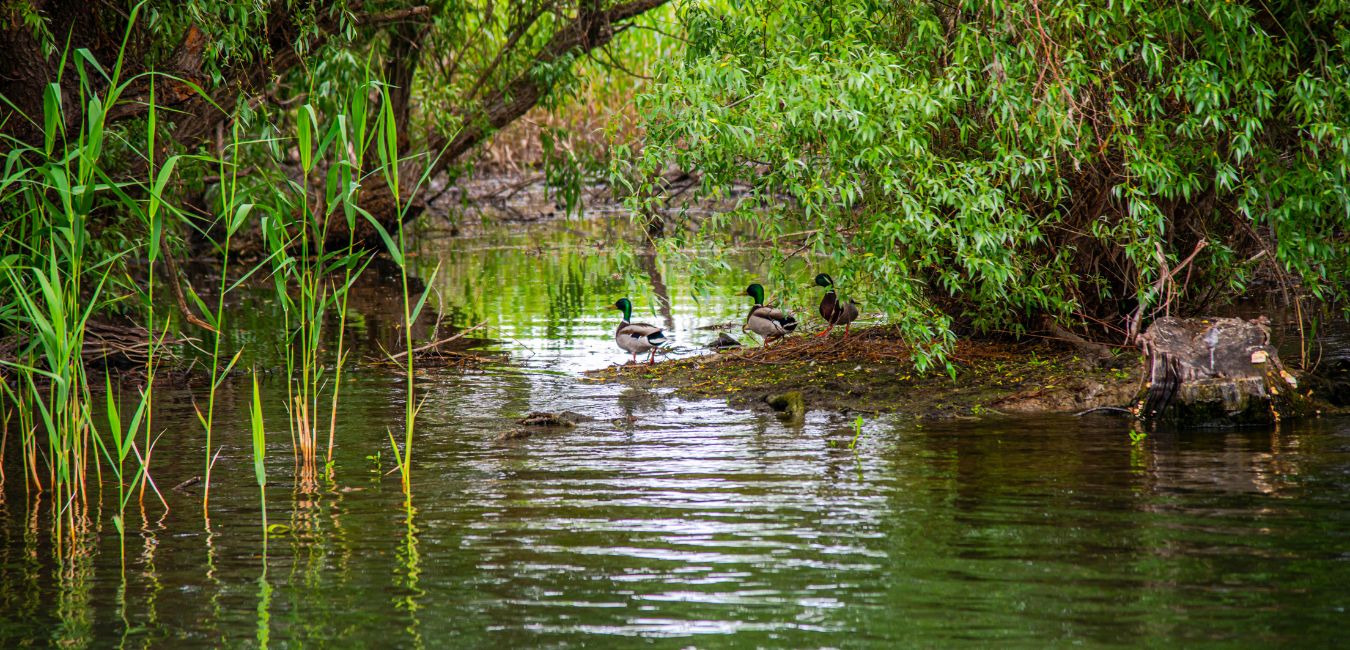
(1215, 372)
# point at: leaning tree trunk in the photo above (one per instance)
(501, 103)
(1216, 372)
(378, 198)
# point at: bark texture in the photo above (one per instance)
(1216, 372)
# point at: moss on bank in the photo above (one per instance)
(870, 372)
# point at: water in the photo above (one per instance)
(685, 523)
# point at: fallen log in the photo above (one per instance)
(1215, 373)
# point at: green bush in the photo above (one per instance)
(984, 164)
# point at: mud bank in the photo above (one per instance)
(870, 372)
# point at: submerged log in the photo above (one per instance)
(538, 421)
(565, 419)
(107, 344)
(1216, 372)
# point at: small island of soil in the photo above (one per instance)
(871, 371)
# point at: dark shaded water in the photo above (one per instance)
(679, 523)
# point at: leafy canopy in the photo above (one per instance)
(985, 163)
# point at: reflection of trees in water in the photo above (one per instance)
(988, 466)
(647, 262)
(567, 294)
(991, 514)
(544, 281)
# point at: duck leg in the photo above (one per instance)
(827, 330)
(651, 359)
(846, 329)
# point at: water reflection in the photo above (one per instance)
(1225, 462)
(688, 521)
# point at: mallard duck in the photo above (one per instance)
(769, 323)
(833, 310)
(636, 338)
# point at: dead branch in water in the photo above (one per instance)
(437, 344)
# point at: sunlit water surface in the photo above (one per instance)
(686, 523)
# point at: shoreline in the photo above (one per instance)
(870, 372)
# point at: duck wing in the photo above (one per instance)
(785, 320)
(770, 313)
(768, 321)
(651, 333)
(847, 313)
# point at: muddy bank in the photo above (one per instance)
(870, 372)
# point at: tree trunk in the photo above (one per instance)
(592, 28)
(1215, 373)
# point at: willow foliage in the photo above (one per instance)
(990, 162)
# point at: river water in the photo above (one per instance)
(676, 523)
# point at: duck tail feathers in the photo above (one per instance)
(657, 338)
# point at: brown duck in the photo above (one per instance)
(832, 309)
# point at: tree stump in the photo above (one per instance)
(1215, 372)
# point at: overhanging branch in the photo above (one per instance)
(591, 29)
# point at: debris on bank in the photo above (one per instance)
(565, 419)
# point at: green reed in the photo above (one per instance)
(56, 275)
(344, 177)
(310, 280)
(234, 212)
(154, 218)
(6, 414)
(857, 433)
(116, 454)
(18, 400)
(386, 145)
(259, 435)
(52, 382)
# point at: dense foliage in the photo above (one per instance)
(987, 163)
(158, 119)
(291, 136)
(457, 70)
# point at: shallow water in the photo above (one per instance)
(686, 523)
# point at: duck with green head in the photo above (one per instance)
(636, 338)
(834, 310)
(768, 322)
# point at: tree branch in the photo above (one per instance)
(591, 29)
(394, 15)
